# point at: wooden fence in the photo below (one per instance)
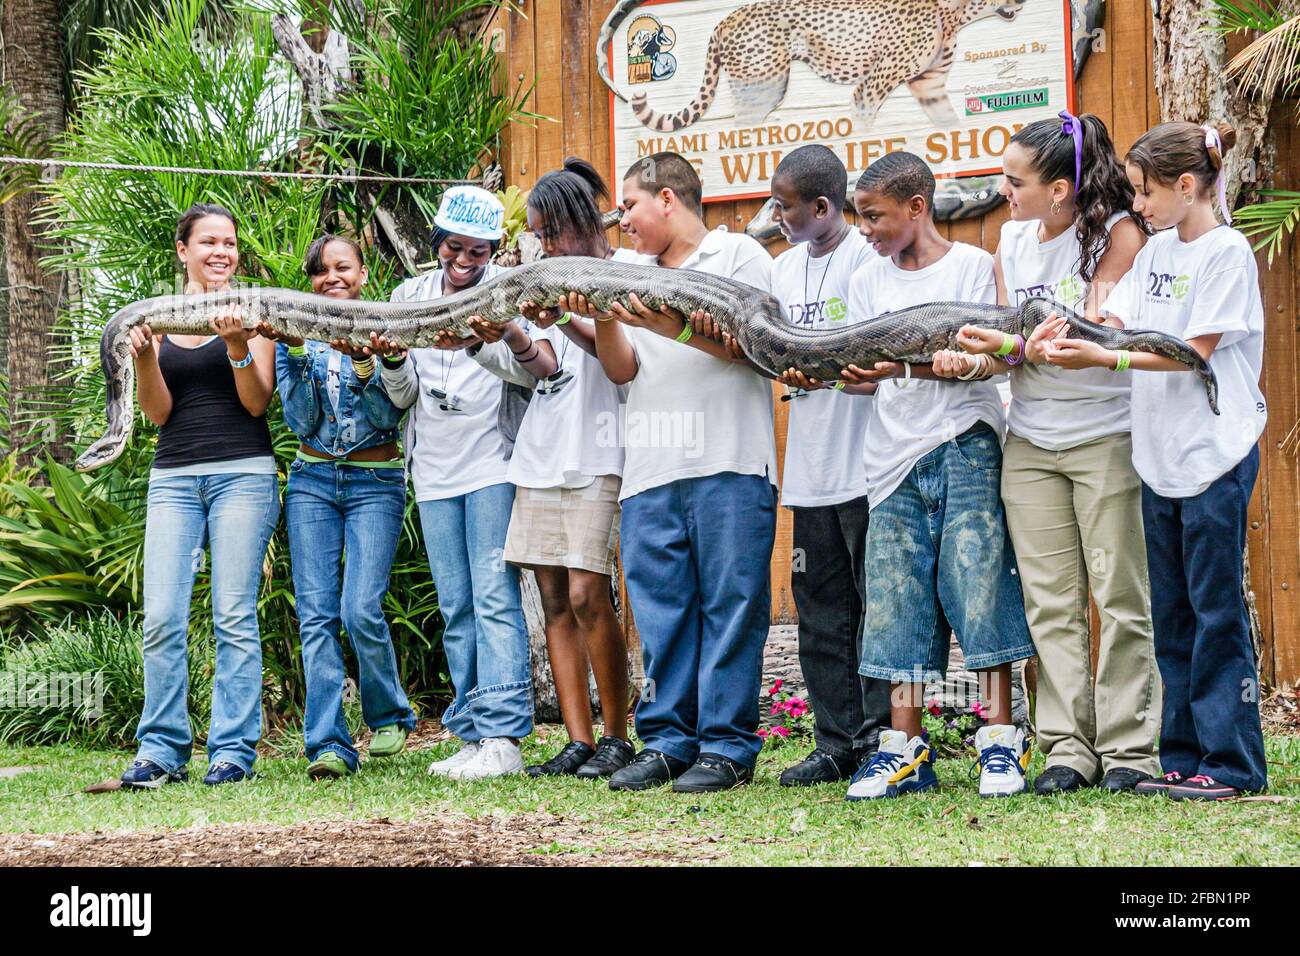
(553, 41)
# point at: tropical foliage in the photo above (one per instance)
(162, 92)
(1271, 62)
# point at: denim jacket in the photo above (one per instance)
(307, 409)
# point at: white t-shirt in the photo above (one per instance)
(453, 446)
(1187, 289)
(914, 417)
(688, 414)
(824, 438)
(1052, 407)
(561, 443)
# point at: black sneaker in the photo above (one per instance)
(147, 775)
(1160, 786)
(1122, 779)
(565, 763)
(713, 772)
(225, 772)
(818, 767)
(612, 755)
(1202, 787)
(649, 768)
(1059, 780)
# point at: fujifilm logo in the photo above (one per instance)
(102, 909)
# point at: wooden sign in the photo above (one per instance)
(732, 85)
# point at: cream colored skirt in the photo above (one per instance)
(566, 527)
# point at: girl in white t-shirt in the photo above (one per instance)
(457, 459)
(1073, 500)
(564, 523)
(1198, 281)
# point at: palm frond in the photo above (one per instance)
(1271, 63)
(21, 134)
(1270, 221)
(1247, 16)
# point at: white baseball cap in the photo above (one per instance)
(471, 211)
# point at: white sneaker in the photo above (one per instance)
(1003, 759)
(497, 757)
(467, 752)
(899, 766)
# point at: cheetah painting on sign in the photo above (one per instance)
(872, 45)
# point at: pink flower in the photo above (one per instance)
(762, 733)
(798, 709)
(776, 685)
(799, 702)
(934, 708)
(781, 731)
(981, 711)
(776, 709)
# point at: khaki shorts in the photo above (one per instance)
(566, 527)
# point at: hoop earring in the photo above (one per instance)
(1188, 199)
(1056, 208)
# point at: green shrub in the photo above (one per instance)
(106, 653)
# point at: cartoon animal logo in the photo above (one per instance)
(872, 45)
(648, 43)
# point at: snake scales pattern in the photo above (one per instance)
(754, 318)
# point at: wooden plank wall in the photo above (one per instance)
(552, 40)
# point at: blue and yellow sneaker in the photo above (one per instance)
(899, 766)
(1003, 760)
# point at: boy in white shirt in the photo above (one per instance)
(938, 556)
(824, 484)
(699, 506)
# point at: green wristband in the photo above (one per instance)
(1008, 345)
(564, 318)
(837, 386)
(685, 334)
(1122, 360)
(297, 351)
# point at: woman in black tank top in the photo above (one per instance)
(213, 486)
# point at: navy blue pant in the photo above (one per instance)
(1210, 722)
(696, 555)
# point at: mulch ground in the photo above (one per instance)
(536, 839)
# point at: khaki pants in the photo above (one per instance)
(1076, 523)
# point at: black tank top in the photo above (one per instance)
(208, 422)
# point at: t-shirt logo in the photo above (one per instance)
(836, 309)
(1162, 285)
(1069, 289)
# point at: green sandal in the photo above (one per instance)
(328, 765)
(388, 741)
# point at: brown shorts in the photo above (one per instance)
(566, 527)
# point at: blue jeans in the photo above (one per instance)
(1210, 723)
(484, 635)
(333, 510)
(234, 515)
(939, 561)
(696, 556)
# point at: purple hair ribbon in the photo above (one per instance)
(1213, 141)
(1070, 126)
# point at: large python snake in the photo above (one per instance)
(754, 318)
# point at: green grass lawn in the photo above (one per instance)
(759, 824)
